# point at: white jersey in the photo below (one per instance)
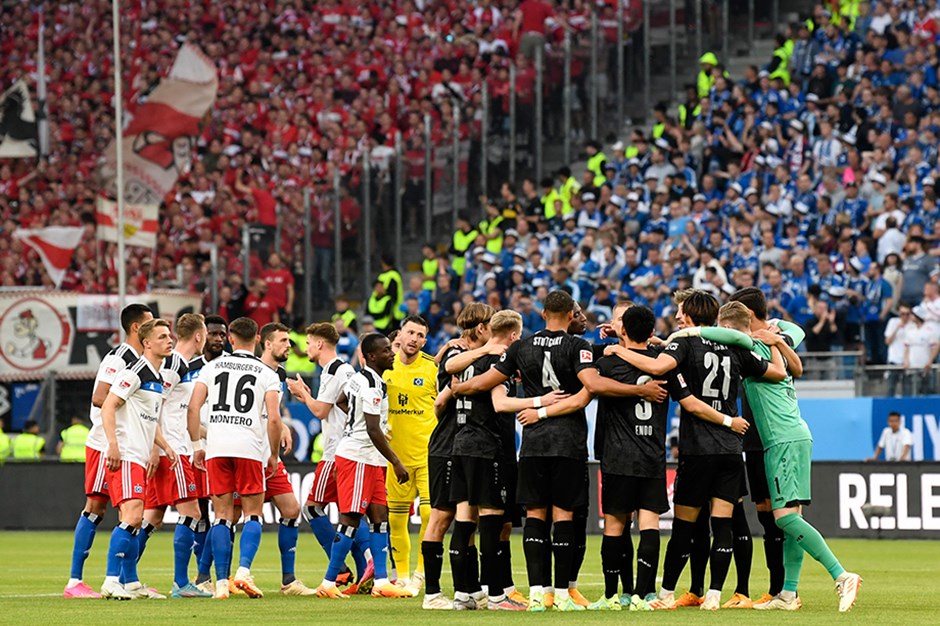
(282, 386)
(177, 390)
(114, 362)
(236, 385)
(141, 388)
(333, 380)
(366, 393)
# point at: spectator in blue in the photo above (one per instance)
(879, 298)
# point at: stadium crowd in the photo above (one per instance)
(813, 178)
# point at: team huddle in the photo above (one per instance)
(182, 423)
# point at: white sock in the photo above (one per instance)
(381, 581)
(561, 595)
(549, 589)
(242, 572)
(462, 596)
(497, 599)
(478, 595)
(72, 582)
(485, 589)
(112, 579)
(509, 590)
(789, 596)
(664, 593)
(573, 584)
(536, 589)
(328, 584)
(713, 593)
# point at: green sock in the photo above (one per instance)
(792, 563)
(809, 539)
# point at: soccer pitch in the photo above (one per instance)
(37, 564)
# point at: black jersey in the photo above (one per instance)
(548, 361)
(479, 431)
(441, 442)
(711, 372)
(633, 430)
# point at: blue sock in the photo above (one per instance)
(342, 543)
(131, 556)
(200, 538)
(323, 530)
(220, 538)
(183, 539)
(146, 529)
(379, 546)
(287, 532)
(121, 538)
(204, 563)
(361, 543)
(85, 530)
(250, 542)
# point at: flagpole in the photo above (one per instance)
(119, 156)
(42, 118)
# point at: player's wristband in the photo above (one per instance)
(542, 413)
(727, 422)
(537, 402)
(197, 445)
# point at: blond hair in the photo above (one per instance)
(148, 328)
(505, 322)
(188, 324)
(735, 315)
(682, 295)
(472, 316)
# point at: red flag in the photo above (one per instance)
(55, 246)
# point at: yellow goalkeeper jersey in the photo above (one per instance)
(412, 390)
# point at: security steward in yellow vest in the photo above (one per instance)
(595, 162)
(429, 267)
(690, 109)
(343, 312)
(72, 447)
(28, 445)
(381, 307)
(491, 228)
(6, 445)
(568, 189)
(462, 240)
(316, 450)
(705, 80)
(550, 197)
(394, 285)
(780, 63)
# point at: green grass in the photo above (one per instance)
(36, 565)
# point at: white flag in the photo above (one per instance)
(55, 245)
(140, 223)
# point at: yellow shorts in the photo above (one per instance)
(416, 486)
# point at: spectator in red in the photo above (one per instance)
(280, 283)
(530, 24)
(259, 305)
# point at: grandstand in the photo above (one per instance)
(811, 174)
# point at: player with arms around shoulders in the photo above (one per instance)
(322, 340)
(362, 458)
(240, 450)
(130, 419)
(177, 486)
(711, 468)
(96, 486)
(553, 457)
(788, 446)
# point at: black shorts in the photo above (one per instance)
(479, 482)
(440, 470)
(515, 512)
(622, 495)
(699, 478)
(553, 481)
(756, 476)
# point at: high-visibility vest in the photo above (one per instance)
(27, 447)
(461, 243)
(658, 130)
(429, 268)
(6, 446)
(316, 451)
(73, 443)
(631, 152)
(389, 277)
(568, 189)
(348, 316)
(594, 165)
(494, 245)
(299, 363)
(783, 70)
(684, 114)
(380, 311)
(704, 83)
(548, 203)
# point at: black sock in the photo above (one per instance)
(647, 562)
(773, 550)
(626, 570)
(563, 549)
(580, 545)
(612, 559)
(743, 549)
(698, 555)
(460, 557)
(433, 553)
(722, 549)
(505, 565)
(534, 538)
(677, 552)
(490, 528)
(473, 569)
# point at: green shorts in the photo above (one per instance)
(789, 473)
